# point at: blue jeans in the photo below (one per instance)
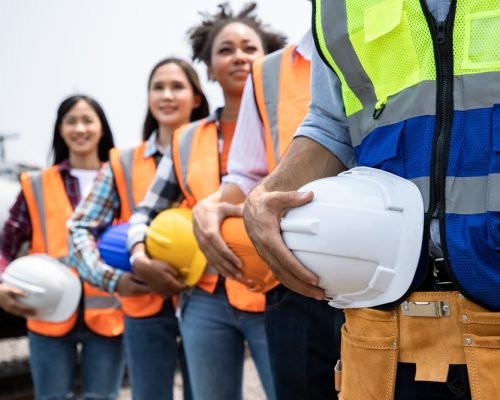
(152, 349)
(304, 342)
(456, 387)
(214, 335)
(53, 362)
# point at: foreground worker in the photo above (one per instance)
(419, 87)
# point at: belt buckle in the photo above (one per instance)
(433, 309)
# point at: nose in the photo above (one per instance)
(80, 126)
(168, 93)
(240, 56)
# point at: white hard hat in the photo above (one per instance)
(50, 287)
(361, 234)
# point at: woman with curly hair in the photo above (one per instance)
(220, 314)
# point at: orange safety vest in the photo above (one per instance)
(281, 86)
(195, 153)
(133, 174)
(49, 208)
(282, 95)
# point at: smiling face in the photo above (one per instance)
(81, 129)
(171, 97)
(233, 50)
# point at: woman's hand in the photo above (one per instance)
(129, 285)
(10, 303)
(208, 215)
(159, 276)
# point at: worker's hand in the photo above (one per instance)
(208, 216)
(159, 276)
(10, 303)
(262, 214)
(129, 285)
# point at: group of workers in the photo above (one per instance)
(405, 86)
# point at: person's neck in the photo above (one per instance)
(90, 162)
(164, 136)
(231, 108)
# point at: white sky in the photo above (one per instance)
(50, 49)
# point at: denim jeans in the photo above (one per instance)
(53, 362)
(456, 387)
(152, 349)
(214, 335)
(304, 342)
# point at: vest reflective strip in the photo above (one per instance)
(127, 161)
(184, 151)
(36, 185)
(470, 92)
(271, 78)
(335, 25)
(466, 195)
(102, 303)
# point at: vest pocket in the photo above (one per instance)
(481, 48)
(493, 212)
(382, 148)
(385, 39)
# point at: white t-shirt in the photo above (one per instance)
(86, 178)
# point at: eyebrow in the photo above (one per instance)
(226, 42)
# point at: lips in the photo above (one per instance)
(239, 72)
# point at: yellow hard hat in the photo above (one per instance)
(257, 275)
(170, 238)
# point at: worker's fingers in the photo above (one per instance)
(262, 214)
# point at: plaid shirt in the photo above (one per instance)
(18, 230)
(163, 193)
(92, 216)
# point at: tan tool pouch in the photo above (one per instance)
(431, 330)
(481, 339)
(369, 354)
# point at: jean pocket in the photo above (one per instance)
(481, 50)
(482, 352)
(369, 355)
(277, 298)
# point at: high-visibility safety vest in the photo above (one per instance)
(49, 208)
(195, 153)
(133, 174)
(422, 101)
(282, 95)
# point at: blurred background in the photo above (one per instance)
(105, 48)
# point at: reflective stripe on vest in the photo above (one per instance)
(49, 209)
(282, 95)
(195, 153)
(394, 64)
(133, 174)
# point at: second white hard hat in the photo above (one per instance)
(361, 234)
(50, 287)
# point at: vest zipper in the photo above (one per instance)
(442, 35)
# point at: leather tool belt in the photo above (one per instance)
(432, 330)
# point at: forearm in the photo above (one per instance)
(85, 257)
(306, 160)
(229, 193)
(94, 214)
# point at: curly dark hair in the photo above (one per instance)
(202, 36)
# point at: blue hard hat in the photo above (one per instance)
(112, 246)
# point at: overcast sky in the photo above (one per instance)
(105, 48)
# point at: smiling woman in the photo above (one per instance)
(227, 43)
(82, 140)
